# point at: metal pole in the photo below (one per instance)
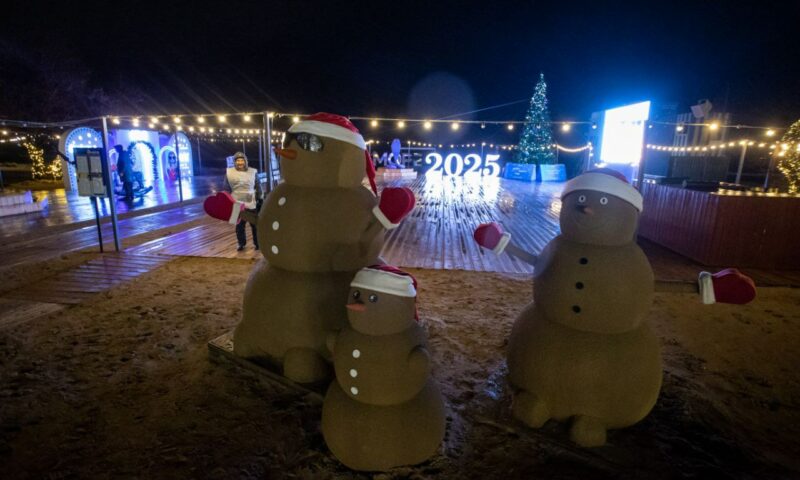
(110, 189)
(642, 161)
(199, 157)
(741, 164)
(266, 135)
(180, 175)
(769, 169)
(97, 219)
(260, 155)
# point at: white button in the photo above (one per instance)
(275, 225)
(281, 201)
(354, 390)
(356, 353)
(353, 372)
(274, 249)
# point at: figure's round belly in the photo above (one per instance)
(370, 437)
(304, 229)
(591, 288)
(614, 377)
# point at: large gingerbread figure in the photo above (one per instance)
(316, 230)
(583, 350)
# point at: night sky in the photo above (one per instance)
(426, 59)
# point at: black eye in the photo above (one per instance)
(603, 200)
(582, 199)
(356, 295)
(373, 298)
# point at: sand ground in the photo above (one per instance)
(122, 387)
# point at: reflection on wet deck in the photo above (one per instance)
(437, 234)
(67, 207)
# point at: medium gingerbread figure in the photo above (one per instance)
(583, 350)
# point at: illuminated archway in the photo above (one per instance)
(81, 137)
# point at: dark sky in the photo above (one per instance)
(376, 58)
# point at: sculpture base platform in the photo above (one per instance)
(220, 350)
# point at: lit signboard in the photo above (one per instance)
(455, 164)
(623, 134)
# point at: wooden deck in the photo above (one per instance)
(84, 281)
(438, 233)
(45, 244)
(211, 239)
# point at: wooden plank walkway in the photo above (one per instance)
(213, 238)
(42, 246)
(86, 280)
(438, 233)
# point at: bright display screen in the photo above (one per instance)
(623, 134)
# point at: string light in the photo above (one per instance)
(115, 120)
(373, 123)
(177, 120)
(153, 120)
(427, 125)
(201, 120)
(295, 119)
(151, 126)
(679, 128)
(510, 127)
(401, 124)
(270, 115)
(454, 125)
(566, 127)
(770, 133)
(221, 118)
(246, 118)
(135, 122)
(713, 126)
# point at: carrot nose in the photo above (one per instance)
(287, 153)
(356, 307)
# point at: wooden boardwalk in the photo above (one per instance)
(44, 244)
(438, 233)
(84, 281)
(213, 238)
(73, 286)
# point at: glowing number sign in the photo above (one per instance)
(454, 164)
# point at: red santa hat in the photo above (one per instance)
(608, 181)
(387, 279)
(339, 128)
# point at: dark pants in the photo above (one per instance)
(128, 186)
(241, 236)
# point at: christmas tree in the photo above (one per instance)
(789, 158)
(536, 143)
(36, 154)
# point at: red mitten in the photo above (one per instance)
(394, 205)
(223, 207)
(491, 236)
(726, 286)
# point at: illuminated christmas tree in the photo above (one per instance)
(36, 154)
(55, 168)
(536, 143)
(789, 158)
